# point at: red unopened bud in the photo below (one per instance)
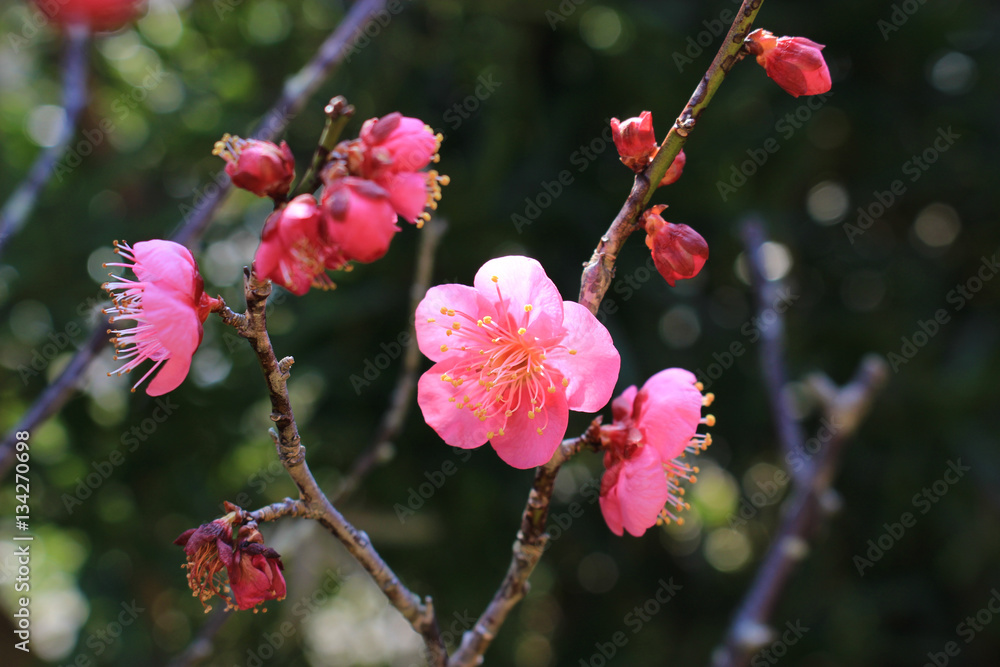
(261, 167)
(679, 252)
(635, 140)
(675, 170)
(794, 63)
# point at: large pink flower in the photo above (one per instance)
(168, 304)
(653, 428)
(513, 359)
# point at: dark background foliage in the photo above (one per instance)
(554, 86)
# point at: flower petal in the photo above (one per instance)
(521, 281)
(593, 371)
(431, 332)
(521, 446)
(458, 428)
(642, 491)
(668, 411)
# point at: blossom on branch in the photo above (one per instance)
(512, 359)
(679, 252)
(294, 250)
(96, 14)
(359, 218)
(794, 63)
(261, 167)
(653, 428)
(168, 304)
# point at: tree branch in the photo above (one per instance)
(811, 500)
(313, 502)
(21, 202)
(296, 92)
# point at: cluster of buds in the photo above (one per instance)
(654, 427)
(232, 544)
(368, 184)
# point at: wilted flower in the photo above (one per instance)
(513, 359)
(255, 571)
(168, 304)
(653, 428)
(679, 252)
(261, 167)
(794, 63)
(635, 140)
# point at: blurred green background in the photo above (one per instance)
(106, 582)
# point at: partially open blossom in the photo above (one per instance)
(512, 359)
(635, 140)
(261, 167)
(168, 304)
(360, 220)
(653, 428)
(96, 14)
(253, 570)
(294, 251)
(679, 252)
(675, 169)
(794, 63)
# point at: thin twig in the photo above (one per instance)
(772, 345)
(296, 92)
(599, 271)
(528, 549)
(381, 449)
(313, 502)
(844, 409)
(22, 201)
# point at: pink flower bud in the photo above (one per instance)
(98, 15)
(679, 252)
(794, 63)
(635, 140)
(397, 143)
(261, 167)
(360, 220)
(675, 169)
(294, 251)
(168, 304)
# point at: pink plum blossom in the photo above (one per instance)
(360, 220)
(635, 140)
(168, 304)
(653, 428)
(261, 167)
(294, 251)
(679, 252)
(512, 359)
(794, 63)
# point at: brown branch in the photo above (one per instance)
(313, 502)
(381, 450)
(844, 409)
(296, 93)
(599, 271)
(528, 549)
(21, 202)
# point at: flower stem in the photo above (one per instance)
(338, 112)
